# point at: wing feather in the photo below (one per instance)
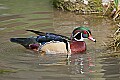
(44, 34)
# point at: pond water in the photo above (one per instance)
(18, 63)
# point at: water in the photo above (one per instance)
(22, 64)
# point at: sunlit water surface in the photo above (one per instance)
(16, 16)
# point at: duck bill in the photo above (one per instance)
(91, 38)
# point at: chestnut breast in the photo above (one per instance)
(77, 47)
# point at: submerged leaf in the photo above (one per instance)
(6, 71)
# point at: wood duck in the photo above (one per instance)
(50, 42)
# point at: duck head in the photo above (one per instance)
(80, 33)
(77, 44)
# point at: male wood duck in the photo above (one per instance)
(50, 42)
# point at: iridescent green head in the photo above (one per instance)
(80, 33)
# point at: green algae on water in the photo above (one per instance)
(2, 71)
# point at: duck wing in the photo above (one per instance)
(49, 34)
(37, 32)
(47, 37)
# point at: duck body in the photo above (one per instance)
(54, 47)
(50, 42)
(74, 47)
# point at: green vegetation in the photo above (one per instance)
(116, 3)
(117, 6)
(79, 6)
(2, 71)
(96, 5)
(93, 6)
(115, 43)
(113, 9)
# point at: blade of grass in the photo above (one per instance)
(116, 3)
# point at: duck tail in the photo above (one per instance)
(23, 41)
(17, 40)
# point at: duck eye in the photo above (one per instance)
(85, 32)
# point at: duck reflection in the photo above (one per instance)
(80, 63)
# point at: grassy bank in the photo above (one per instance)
(79, 6)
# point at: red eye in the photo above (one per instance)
(84, 32)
